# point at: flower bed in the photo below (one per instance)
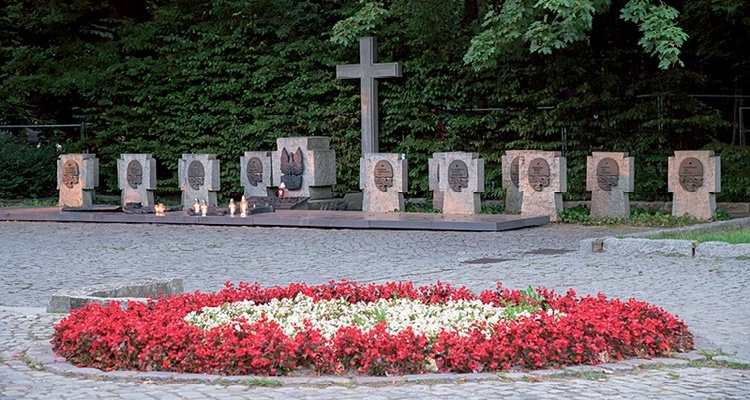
(342, 327)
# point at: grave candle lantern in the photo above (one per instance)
(243, 207)
(282, 190)
(160, 209)
(197, 207)
(204, 209)
(232, 207)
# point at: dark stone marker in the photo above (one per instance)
(291, 169)
(254, 171)
(691, 174)
(538, 174)
(134, 174)
(383, 175)
(607, 174)
(458, 175)
(70, 174)
(196, 175)
(514, 171)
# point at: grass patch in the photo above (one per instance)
(45, 202)
(652, 218)
(732, 236)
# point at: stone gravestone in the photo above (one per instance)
(368, 71)
(384, 179)
(510, 169)
(433, 170)
(256, 174)
(542, 178)
(136, 177)
(461, 179)
(306, 166)
(199, 178)
(609, 178)
(694, 180)
(77, 177)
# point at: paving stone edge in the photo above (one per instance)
(42, 355)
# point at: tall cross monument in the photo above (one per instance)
(369, 72)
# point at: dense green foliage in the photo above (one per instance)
(169, 77)
(26, 171)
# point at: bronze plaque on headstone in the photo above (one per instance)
(254, 171)
(691, 174)
(514, 171)
(607, 174)
(196, 175)
(134, 174)
(458, 175)
(70, 173)
(538, 174)
(291, 169)
(383, 175)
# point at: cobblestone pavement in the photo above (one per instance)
(37, 259)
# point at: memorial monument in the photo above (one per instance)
(461, 180)
(510, 170)
(77, 178)
(383, 179)
(609, 178)
(305, 165)
(694, 180)
(136, 177)
(542, 179)
(199, 178)
(256, 173)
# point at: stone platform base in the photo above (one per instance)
(291, 218)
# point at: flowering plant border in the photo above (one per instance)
(155, 336)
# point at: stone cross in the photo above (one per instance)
(369, 72)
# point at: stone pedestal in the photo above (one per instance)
(461, 179)
(77, 177)
(694, 180)
(609, 178)
(510, 167)
(136, 177)
(306, 166)
(433, 170)
(199, 178)
(256, 174)
(542, 179)
(383, 178)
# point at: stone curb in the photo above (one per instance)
(42, 355)
(636, 243)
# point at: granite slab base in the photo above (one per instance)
(291, 218)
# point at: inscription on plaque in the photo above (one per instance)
(383, 175)
(607, 174)
(291, 169)
(254, 170)
(196, 175)
(514, 171)
(538, 174)
(134, 174)
(458, 175)
(70, 174)
(691, 174)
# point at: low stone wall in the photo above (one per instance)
(65, 300)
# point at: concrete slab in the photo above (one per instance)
(290, 218)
